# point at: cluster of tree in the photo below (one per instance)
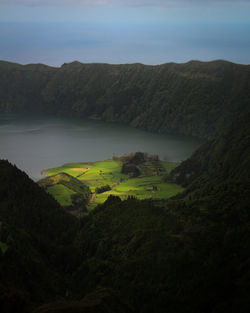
(131, 162)
(138, 163)
(130, 169)
(195, 98)
(79, 202)
(102, 189)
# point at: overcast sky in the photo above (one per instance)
(124, 31)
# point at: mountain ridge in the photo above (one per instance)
(194, 98)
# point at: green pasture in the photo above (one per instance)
(61, 193)
(102, 173)
(97, 174)
(93, 174)
(141, 188)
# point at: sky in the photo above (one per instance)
(54, 32)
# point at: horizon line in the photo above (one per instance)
(132, 63)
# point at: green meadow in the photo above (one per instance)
(148, 185)
(61, 193)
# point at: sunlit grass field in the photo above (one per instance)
(108, 172)
(61, 193)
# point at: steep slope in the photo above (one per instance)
(195, 98)
(21, 86)
(37, 236)
(187, 257)
(224, 158)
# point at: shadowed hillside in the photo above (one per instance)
(224, 158)
(195, 98)
(36, 237)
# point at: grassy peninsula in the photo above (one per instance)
(136, 174)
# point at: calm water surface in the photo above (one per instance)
(35, 143)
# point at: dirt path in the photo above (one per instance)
(92, 198)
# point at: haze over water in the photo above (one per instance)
(124, 31)
(35, 143)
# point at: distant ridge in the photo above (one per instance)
(194, 98)
(118, 64)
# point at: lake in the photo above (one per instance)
(35, 143)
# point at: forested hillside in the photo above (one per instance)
(223, 158)
(195, 98)
(188, 255)
(36, 237)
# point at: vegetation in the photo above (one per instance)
(187, 254)
(102, 189)
(195, 98)
(70, 192)
(36, 237)
(108, 177)
(223, 158)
